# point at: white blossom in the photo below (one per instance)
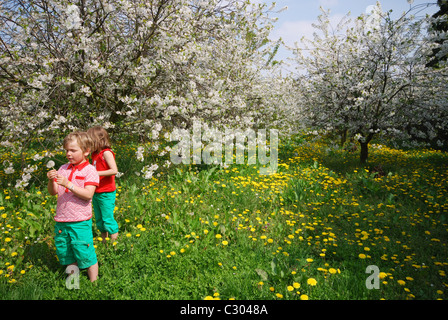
(73, 20)
(148, 171)
(9, 170)
(139, 153)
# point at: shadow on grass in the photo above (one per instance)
(42, 254)
(36, 287)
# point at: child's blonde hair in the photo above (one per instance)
(100, 138)
(84, 141)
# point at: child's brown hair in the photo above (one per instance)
(100, 138)
(84, 141)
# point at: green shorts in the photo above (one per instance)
(103, 207)
(74, 243)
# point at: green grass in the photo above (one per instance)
(196, 232)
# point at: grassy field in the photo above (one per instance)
(203, 232)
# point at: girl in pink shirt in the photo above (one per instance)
(75, 184)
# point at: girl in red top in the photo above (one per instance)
(103, 159)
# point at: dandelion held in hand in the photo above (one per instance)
(50, 164)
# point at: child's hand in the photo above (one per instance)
(52, 174)
(61, 180)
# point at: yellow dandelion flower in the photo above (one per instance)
(311, 281)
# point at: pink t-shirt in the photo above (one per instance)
(70, 208)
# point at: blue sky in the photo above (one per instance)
(296, 21)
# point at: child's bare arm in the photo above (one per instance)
(85, 193)
(110, 160)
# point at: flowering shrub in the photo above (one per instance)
(133, 68)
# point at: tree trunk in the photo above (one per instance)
(365, 148)
(364, 151)
(343, 137)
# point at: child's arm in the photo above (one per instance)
(52, 185)
(110, 160)
(85, 193)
